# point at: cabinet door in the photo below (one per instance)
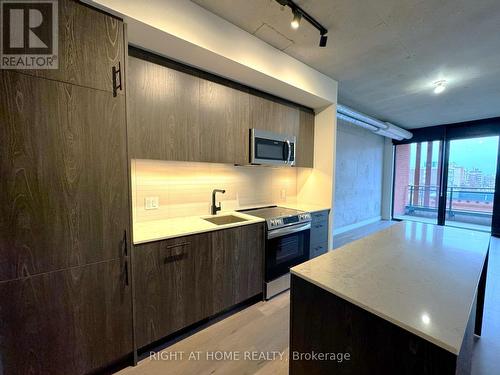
(305, 140)
(163, 106)
(90, 44)
(274, 117)
(224, 124)
(319, 233)
(65, 322)
(237, 265)
(64, 184)
(172, 286)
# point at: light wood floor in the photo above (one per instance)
(264, 327)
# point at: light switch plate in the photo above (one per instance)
(152, 203)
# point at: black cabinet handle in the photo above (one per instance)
(117, 78)
(180, 244)
(125, 243)
(174, 258)
(126, 273)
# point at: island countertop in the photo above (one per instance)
(420, 277)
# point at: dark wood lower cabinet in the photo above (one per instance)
(65, 322)
(181, 281)
(237, 264)
(327, 325)
(171, 286)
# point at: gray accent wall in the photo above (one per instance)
(359, 175)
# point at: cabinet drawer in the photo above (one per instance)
(317, 250)
(318, 237)
(319, 231)
(319, 216)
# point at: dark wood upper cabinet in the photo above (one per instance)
(72, 321)
(224, 126)
(182, 281)
(90, 44)
(163, 112)
(305, 140)
(64, 182)
(175, 115)
(272, 116)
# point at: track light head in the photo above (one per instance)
(322, 40)
(297, 16)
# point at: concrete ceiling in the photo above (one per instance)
(387, 54)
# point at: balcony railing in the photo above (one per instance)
(466, 201)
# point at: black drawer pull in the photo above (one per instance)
(174, 258)
(181, 244)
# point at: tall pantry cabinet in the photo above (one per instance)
(65, 296)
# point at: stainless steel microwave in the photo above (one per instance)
(271, 148)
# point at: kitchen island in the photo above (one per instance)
(405, 300)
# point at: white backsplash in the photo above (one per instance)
(185, 189)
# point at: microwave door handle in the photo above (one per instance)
(289, 151)
(286, 147)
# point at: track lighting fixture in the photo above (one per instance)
(296, 19)
(298, 14)
(322, 40)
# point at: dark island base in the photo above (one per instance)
(324, 323)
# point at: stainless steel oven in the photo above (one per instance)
(285, 248)
(287, 244)
(271, 148)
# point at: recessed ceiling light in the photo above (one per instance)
(426, 319)
(439, 86)
(296, 19)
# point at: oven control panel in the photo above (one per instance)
(288, 220)
(305, 217)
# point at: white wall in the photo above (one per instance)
(359, 176)
(387, 179)
(316, 186)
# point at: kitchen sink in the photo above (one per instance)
(225, 219)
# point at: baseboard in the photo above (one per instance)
(349, 227)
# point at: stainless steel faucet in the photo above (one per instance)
(216, 208)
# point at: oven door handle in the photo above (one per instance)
(287, 230)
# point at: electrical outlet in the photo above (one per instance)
(283, 194)
(152, 203)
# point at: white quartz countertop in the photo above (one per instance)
(183, 226)
(156, 230)
(421, 277)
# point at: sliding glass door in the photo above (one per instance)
(417, 181)
(472, 169)
(447, 182)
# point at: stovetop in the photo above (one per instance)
(272, 212)
(279, 217)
